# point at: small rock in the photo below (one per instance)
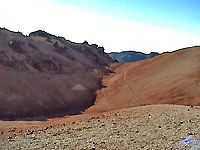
(137, 131)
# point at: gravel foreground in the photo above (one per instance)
(147, 127)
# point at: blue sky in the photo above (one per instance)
(175, 14)
(118, 25)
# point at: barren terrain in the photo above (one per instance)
(75, 97)
(170, 78)
(146, 127)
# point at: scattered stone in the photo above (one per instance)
(118, 132)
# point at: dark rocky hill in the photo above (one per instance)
(43, 75)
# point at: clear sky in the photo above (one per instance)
(118, 25)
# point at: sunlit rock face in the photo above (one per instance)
(42, 74)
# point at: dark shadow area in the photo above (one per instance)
(79, 110)
(70, 109)
(39, 118)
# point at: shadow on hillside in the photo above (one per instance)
(74, 108)
(70, 110)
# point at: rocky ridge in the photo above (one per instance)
(42, 74)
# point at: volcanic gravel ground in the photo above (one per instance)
(146, 127)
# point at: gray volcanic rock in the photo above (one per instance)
(42, 74)
(131, 56)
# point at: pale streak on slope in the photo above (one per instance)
(131, 90)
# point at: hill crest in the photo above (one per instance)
(40, 73)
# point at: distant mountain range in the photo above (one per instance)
(131, 56)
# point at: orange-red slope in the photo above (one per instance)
(171, 78)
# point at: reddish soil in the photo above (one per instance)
(171, 78)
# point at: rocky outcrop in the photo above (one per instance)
(17, 46)
(42, 34)
(40, 74)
